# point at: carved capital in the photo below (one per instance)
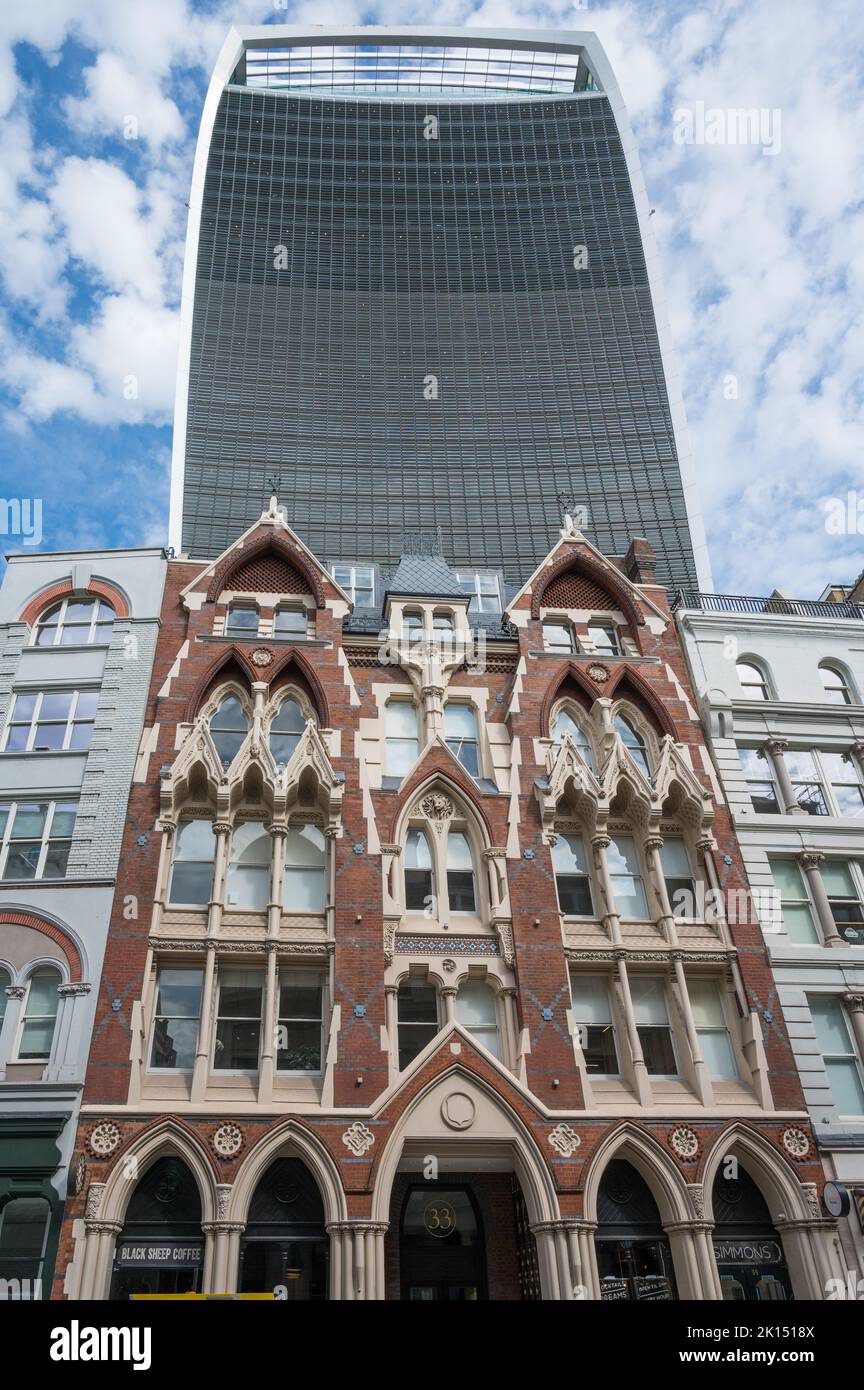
(854, 1003)
(811, 859)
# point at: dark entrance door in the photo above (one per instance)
(160, 1249)
(285, 1247)
(442, 1252)
(633, 1256)
(747, 1248)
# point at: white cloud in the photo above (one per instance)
(763, 257)
(120, 100)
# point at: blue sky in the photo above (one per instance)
(762, 253)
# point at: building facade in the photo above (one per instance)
(77, 639)
(781, 685)
(426, 253)
(431, 993)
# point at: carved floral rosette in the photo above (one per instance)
(104, 1138)
(796, 1142)
(684, 1143)
(227, 1141)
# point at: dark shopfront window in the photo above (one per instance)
(441, 1247)
(161, 1247)
(634, 1260)
(285, 1246)
(747, 1248)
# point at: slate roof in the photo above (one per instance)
(427, 576)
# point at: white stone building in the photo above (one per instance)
(781, 686)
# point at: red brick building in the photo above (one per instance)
(431, 972)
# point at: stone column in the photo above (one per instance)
(268, 1041)
(544, 1235)
(96, 1275)
(448, 994)
(855, 1004)
(64, 1059)
(703, 1076)
(433, 711)
(810, 861)
(775, 748)
(653, 846)
(391, 993)
(611, 920)
(201, 1069)
(706, 847)
(640, 1071)
(511, 1032)
(9, 1031)
(686, 1259)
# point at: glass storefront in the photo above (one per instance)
(747, 1248)
(285, 1248)
(634, 1260)
(441, 1246)
(161, 1247)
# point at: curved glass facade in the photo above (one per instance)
(388, 320)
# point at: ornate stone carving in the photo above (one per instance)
(80, 1176)
(390, 929)
(438, 809)
(227, 1141)
(93, 1203)
(684, 1142)
(811, 859)
(505, 936)
(598, 673)
(223, 1199)
(358, 1138)
(697, 1197)
(445, 944)
(262, 657)
(795, 1142)
(458, 1110)
(811, 1196)
(564, 1140)
(104, 1139)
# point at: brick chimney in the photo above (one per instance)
(640, 562)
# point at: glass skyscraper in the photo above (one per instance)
(421, 293)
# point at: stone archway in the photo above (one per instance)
(793, 1210)
(468, 1130)
(679, 1221)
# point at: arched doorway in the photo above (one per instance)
(285, 1246)
(634, 1260)
(161, 1247)
(442, 1248)
(747, 1247)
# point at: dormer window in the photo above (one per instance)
(290, 622)
(484, 590)
(412, 626)
(604, 639)
(242, 620)
(558, 637)
(442, 627)
(358, 581)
